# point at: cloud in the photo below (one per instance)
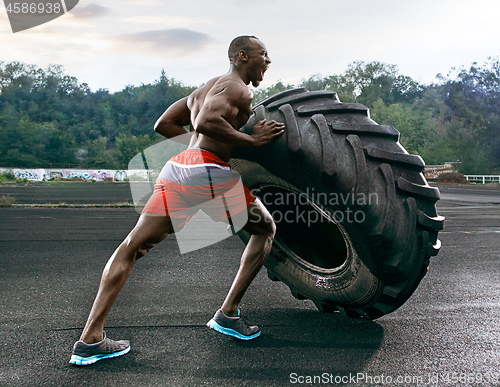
(171, 21)
(91, 11)
(142, 3)
(177, 41)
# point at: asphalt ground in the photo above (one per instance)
(70, 192)
(447, 334)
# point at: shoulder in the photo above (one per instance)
(201, 92)
(234, 90)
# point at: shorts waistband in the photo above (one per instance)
(198, 156)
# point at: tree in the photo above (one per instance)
(473, 100)
(21, 142)
(413, 124)
(261, 94)
(48, 117)
(99, 155)
(128, 146)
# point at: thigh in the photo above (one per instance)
(150, 229)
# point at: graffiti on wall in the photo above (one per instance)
(431, 172)
(83, 174)
(87, 175)
(28, 175)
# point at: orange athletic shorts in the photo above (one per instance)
(194, 180)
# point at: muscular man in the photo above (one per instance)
(215, 111)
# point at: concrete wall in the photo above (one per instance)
(41, 174)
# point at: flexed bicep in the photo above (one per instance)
(217, 112)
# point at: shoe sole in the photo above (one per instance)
(83, 361)
(230, 332)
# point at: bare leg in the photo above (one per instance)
(262, 228)
(148, 232)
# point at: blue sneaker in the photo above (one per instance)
(233, 326)
(85, 354)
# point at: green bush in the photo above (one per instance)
(7, 177)
(7, 201)
(452, 178)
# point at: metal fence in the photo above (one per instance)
(483, 179)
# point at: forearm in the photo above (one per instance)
(169, 129)
(172, 121)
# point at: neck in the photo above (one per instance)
(235, 69)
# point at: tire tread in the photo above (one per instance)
(292, 131)
(335, 107)
(413, 189)
(430, 223)
(327, 147)
(367, 130)
(361, 168)
(302, 97)
(412, 161)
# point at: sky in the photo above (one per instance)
(114, 43)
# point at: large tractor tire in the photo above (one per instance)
(356, 219)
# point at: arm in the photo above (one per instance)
(220, 110)
(172, 121)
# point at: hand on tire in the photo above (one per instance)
(264, 132)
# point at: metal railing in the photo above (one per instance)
(483, 179)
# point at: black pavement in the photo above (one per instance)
(69, 192)
(50, 265)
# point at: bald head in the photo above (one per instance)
(240, 43)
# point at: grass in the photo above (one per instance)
(7, 201)
(75, 205)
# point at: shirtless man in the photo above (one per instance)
(215, 111)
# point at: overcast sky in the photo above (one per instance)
(114, 43)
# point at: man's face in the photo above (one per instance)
(258, 60)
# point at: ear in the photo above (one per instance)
(242, 55)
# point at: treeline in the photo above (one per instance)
(50, 118)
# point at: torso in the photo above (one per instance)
(195, 104)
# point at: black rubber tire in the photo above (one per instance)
(330, 157)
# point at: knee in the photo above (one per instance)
(137, 249)
(272, 231)
(260, 222)
(269, 227)
(143, 249)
